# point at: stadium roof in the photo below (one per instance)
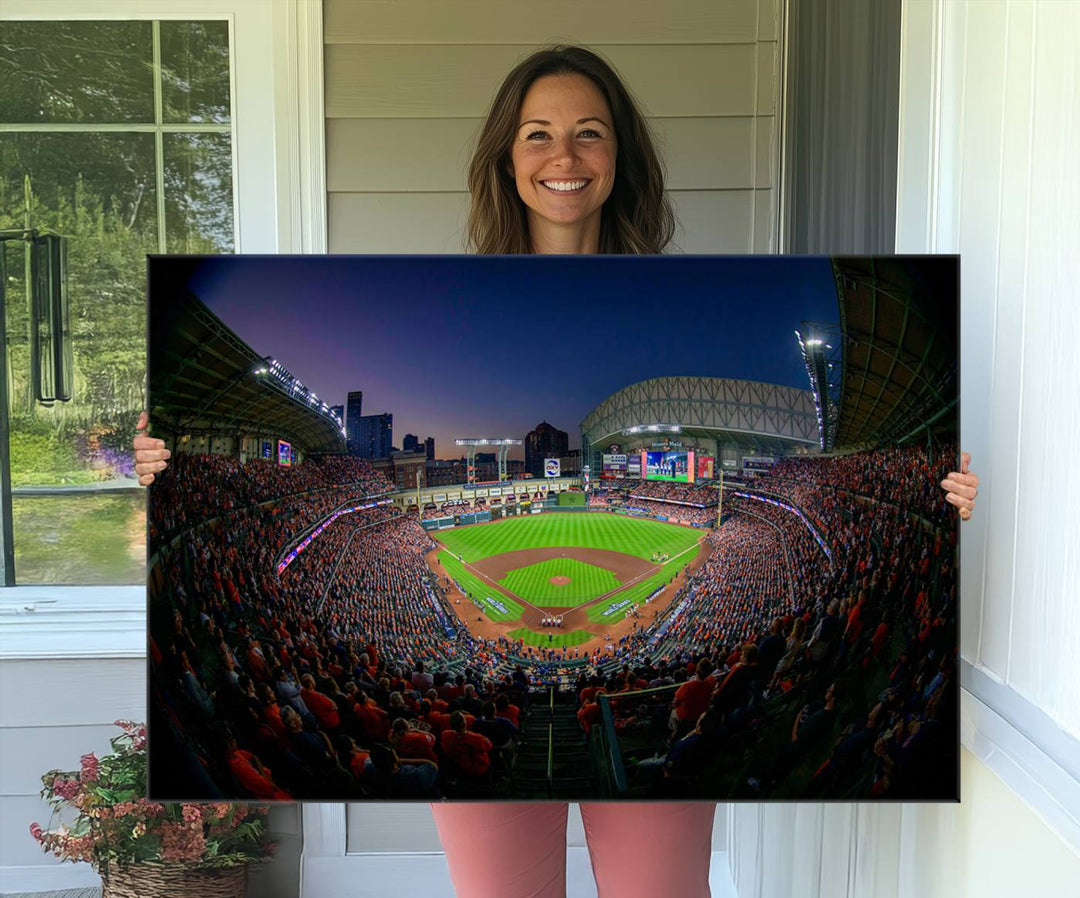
(757, 417)
(898, 323)
(205, 380)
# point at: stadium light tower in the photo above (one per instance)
(502, 447)
(820, 345)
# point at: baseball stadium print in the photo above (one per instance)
(577, 528)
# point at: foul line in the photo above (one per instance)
(613, 592)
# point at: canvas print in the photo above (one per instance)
(576, 528)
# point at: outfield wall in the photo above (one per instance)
(550, 507)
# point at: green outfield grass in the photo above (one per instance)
(558, 639)
(635, 536)
(479, 589)
(533, 583)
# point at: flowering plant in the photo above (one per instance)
(117, 824)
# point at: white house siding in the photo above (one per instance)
(408, 83)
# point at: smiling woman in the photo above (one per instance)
(565, 164)
(563, 161)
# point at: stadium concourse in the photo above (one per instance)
(304, 645)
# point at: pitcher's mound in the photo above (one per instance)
(559, 581)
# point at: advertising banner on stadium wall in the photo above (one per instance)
(705, 467)
(613, 466)
(324, 549)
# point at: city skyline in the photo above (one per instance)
(468, 346)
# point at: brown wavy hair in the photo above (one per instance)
(637, 216)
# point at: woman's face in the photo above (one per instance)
(563, 154)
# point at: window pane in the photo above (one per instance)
(195, 71)
(98, 191)
(81, 540)
(198, 193)
(76, 72)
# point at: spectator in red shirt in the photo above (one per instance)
(375, 720)
(324, 708)
(503, 708)
(251, 775)
(469, 752)
(409, 742)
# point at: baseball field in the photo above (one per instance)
(589, 569)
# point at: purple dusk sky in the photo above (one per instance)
(471, 346)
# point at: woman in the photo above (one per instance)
(565, 164)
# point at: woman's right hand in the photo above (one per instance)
(150, 454)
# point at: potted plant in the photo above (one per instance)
(142, 847)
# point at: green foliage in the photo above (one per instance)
(118, 825)
(81, 539)
(99, 190)
(41, 458)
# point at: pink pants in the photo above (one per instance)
(506, 850)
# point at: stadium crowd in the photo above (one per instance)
(693, 494)
(341, 677)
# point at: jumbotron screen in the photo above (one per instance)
(284, 453)
(676, 465)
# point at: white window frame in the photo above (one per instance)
(276, 88)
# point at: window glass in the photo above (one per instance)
(118, 181)
(198, 193)
(66, 72)
(195, 71)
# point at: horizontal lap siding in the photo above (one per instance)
(408, 84)
(523, 22)
(53, 712)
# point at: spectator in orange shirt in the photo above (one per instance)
(692, 698)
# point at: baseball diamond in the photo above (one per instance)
(591, 570)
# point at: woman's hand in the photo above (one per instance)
(962, 487)
(150, 454)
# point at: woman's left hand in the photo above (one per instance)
(962, 487)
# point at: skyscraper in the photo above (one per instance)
(375, 436)
(429, 445)
(411, 443)
(352, 420)
(545, 441)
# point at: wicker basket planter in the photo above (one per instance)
(174, 881)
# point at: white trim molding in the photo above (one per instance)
(42, 622)
(1034, 757)
(298, 38)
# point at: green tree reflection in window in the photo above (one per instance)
(117, 135)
